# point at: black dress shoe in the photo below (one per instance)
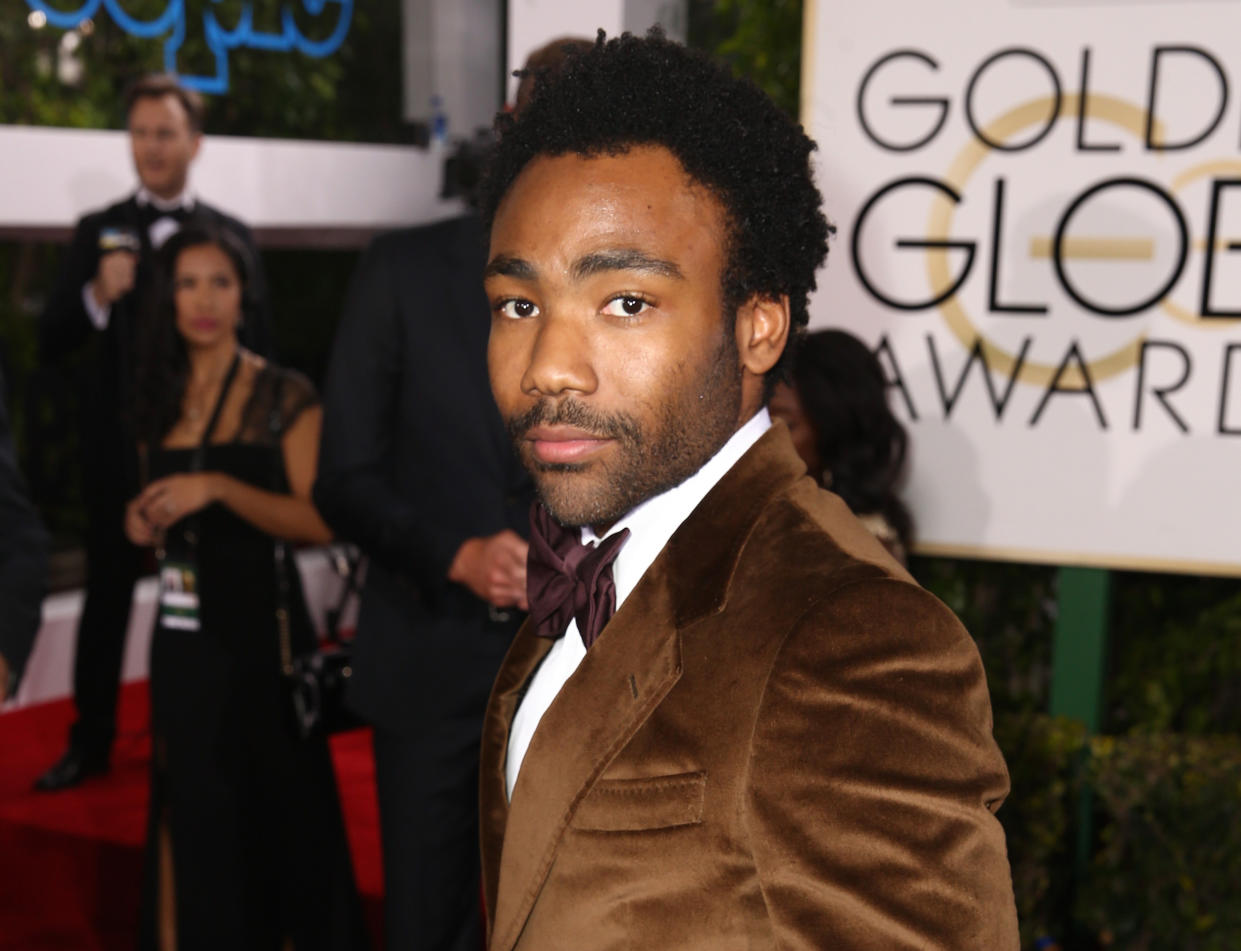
(70, 770)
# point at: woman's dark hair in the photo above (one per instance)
(163, 363)
(844, 395)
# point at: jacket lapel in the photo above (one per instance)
(520, 664)
(620, 682)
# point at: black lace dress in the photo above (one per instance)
(257, 840)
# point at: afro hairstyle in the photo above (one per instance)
(727, 134)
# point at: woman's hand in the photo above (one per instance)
(137, 529)
(166, 501)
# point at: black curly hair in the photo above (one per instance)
(163, 362)
(726, 133)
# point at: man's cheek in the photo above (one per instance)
(500, 386)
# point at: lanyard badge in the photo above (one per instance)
(178, 595)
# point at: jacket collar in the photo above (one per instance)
(622, 679)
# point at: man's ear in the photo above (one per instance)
(762, 332)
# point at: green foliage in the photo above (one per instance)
(74, 80)
(1167, 851)
(35, 65)
(1043, 755)
(1176, 648)
(760, 40)
(1169, 858)
(1010, 611)
(352, 95)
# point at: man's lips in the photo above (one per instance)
(560, 444)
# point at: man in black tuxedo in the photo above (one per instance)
(95, 308)
(23, 565)
(416, 468)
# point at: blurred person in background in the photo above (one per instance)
(23, 564)
(94, 310)
(843, 428)
(416, 468)
(246, 846)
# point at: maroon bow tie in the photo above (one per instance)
(566, 579)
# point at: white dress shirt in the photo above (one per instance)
(161, 230)
(650, 526)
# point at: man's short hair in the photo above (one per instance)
(159, 85)
(727, 134)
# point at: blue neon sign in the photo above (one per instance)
(221, 41)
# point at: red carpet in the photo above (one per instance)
(71, 862)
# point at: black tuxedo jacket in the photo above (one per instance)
(105, 373)
(414, 460)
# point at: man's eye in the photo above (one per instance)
(517, 308)
(626, 306)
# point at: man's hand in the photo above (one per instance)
(114, 278)
(494, 568)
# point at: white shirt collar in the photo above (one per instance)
(184, 200)
(653, 522)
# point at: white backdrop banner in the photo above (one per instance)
(1038, 206)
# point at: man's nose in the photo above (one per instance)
(560, 359)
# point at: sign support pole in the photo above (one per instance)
(1079, 660)
(1079, 652)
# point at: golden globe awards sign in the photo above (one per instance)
(1039, 231)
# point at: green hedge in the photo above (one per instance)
(1166, 872)
(1043, 755)
(1165, 862)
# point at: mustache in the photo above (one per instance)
(570, 412)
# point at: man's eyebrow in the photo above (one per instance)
(624, 259)
(507, 265)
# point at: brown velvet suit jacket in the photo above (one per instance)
(779, 741)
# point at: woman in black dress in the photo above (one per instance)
(246, 847)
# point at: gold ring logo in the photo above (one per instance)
(1110, 109)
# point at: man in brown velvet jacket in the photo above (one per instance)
(778, 740)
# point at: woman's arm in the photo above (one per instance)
(290, 516)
